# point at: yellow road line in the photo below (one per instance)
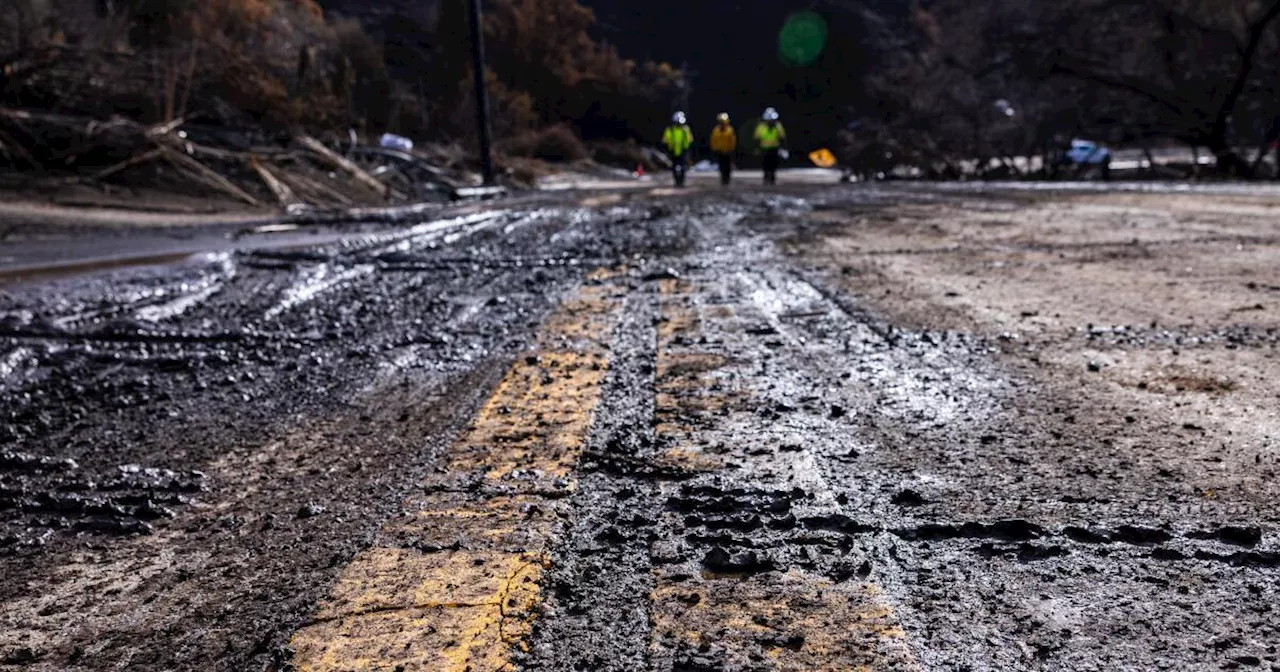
(398, 609)
(468, 601)
(534, 423)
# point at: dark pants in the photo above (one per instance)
(726, 168)
(679, 168)
(770, 166)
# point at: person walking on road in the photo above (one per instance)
(678, 139)
(769, 136)
(723, 143)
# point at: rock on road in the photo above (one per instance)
(814, 428)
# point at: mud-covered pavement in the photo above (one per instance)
(881, 428)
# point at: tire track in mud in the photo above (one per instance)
(1040, 569)
(1034, 540)
(124, 367)
(735, 588)
(596, 614)
(320, 269)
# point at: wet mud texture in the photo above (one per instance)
(823, 441)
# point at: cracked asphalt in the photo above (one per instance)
(863, 427)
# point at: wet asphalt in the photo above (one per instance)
(777, 474)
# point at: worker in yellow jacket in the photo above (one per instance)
(678, 139)
(769, 136)
(723, 143)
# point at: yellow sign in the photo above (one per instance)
(823, 158)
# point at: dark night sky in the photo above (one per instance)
(731, 47)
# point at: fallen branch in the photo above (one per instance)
(281, 190)
(73, 136)
(342, 163)
(316, 190)
(129, 163)
(165, 129)
(207, 175)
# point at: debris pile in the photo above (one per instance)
(296, 172)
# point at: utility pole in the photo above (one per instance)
(482, 91)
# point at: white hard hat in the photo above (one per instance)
(678, 117)
(770, 114)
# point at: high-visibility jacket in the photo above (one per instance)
(723, 139)
(770, 136)
(677, 139)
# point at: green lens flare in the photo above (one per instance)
(803, 37)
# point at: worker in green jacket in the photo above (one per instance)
(678, 139)
(770, 136)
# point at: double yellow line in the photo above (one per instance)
(457, 582)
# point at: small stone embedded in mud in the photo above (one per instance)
(793, 641)
(24, 461)
(150, 510)
(1085, 536)
(114, 526)
(1235, 535)
(722, 562)
(690, 599)
(843, 571)
(909, 497)
(310, 510)
(663, 274)
(1140, 536)
(21, 656)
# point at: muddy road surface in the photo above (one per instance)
(816, 428)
